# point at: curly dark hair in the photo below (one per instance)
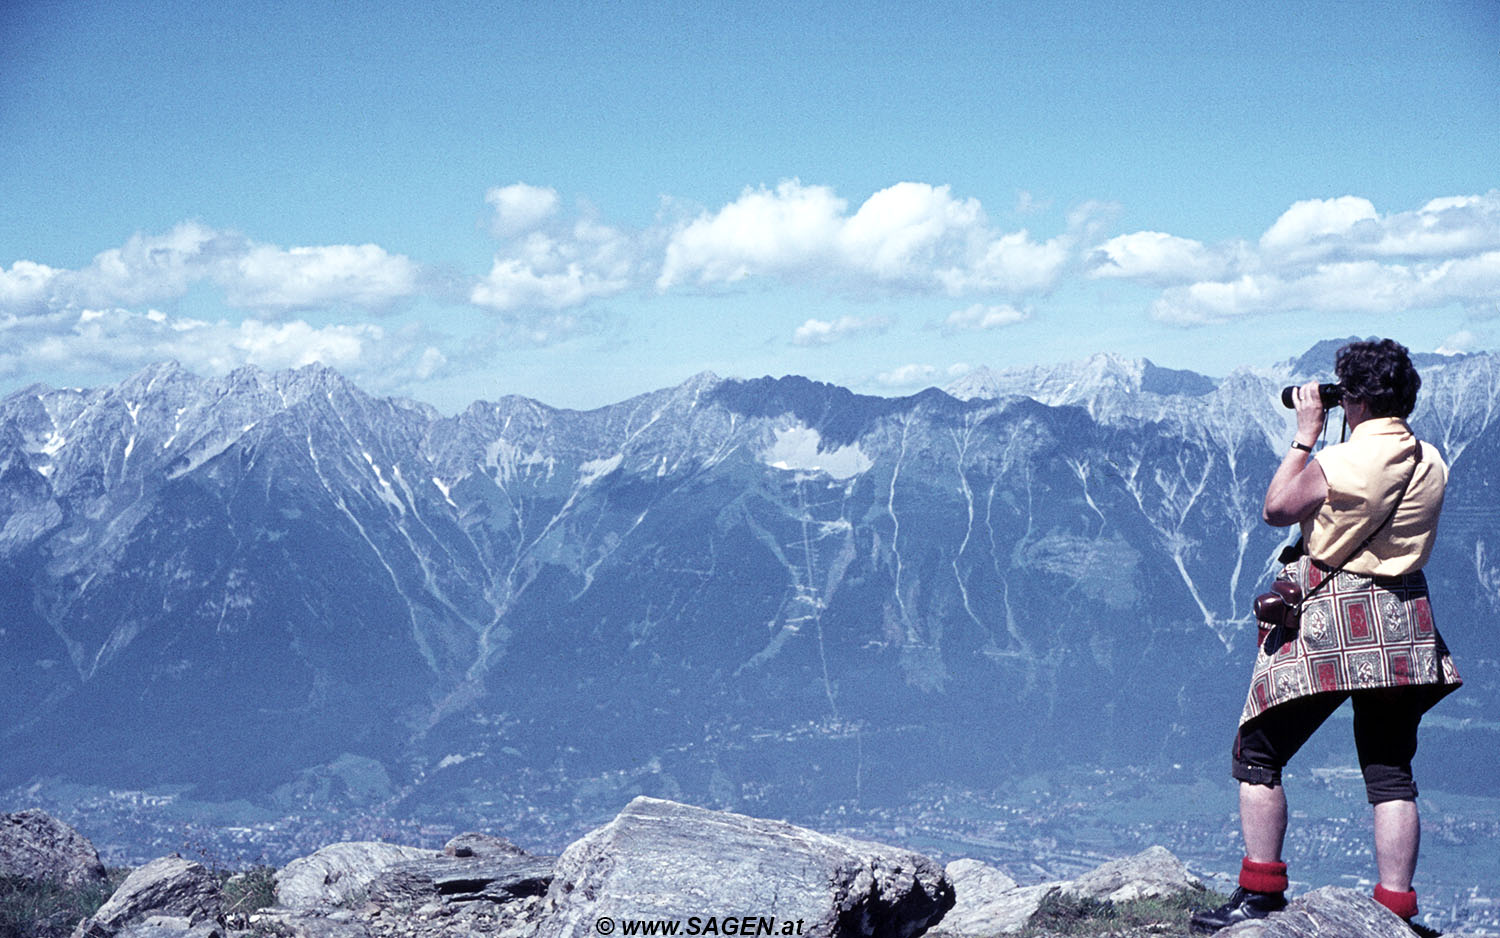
(1380, 374)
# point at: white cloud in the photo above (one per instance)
(911, 236)
(122, 340)
(1311, 226)
(906, 376)
(899, 231)
(151, 269)
(1337, 254)
(26, 287)
(1353, 286)
(1214, 301)
(1159, 258)
(562, 266)
(979, 317)
(541, 271)
(1444, 227)
(1465, 340)
(520, 208)
(1323, 255)
(1349, 228)
(269, 278)
(763, 232)
(295, 344)
(1010, 263)
(823, 332)
(147, 268)
(512, 284)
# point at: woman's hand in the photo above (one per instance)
(1310, 413)
(1299, 486)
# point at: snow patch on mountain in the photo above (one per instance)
(799, 449)
(446, 489)
(505, 460)
(596, 469)
(386, 492)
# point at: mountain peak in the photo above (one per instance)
(982, 383)
(1158, 380)
(1317, 362)
(158, 372)
(698, 385)
(1066, 383)
(703, 379)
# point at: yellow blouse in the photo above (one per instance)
(1365, 475)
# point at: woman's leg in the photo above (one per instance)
(1385, 735)
(1262, 749)
(1398, 837)
(1263, 820)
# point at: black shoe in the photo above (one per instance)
(1422, 931)
(1244, 905)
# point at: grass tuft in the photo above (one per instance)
(31, 908)
(1065, 916)
(249, 891)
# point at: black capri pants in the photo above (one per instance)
(1385, 736)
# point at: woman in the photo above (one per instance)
(1368, 510)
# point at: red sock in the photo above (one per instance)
(1263, 877)
(1404, 904)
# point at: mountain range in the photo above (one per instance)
(764, 595)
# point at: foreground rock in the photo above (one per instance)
(37, 846)
(498, 879)
(481, 845)
(166, 897)
(458, 897)
(990, 903)
(1150, 874)
(339, 875)
(658, 863)
(479, 884)
(659, 860)
(1330, 912)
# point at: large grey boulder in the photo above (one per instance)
(1150, 874)
(339, 874)
(660, 860)
(169, 887)
(1330, 912)
(987, 901)
(990, 903)
(35, 845)
(976, 876)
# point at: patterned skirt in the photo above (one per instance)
(1356, 632)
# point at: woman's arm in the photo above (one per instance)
(1299, 487)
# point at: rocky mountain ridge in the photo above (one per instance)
(765, 595)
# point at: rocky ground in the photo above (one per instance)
(659, 868)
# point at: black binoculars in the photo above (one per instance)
(1332, 395)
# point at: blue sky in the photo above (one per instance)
(581, 202)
